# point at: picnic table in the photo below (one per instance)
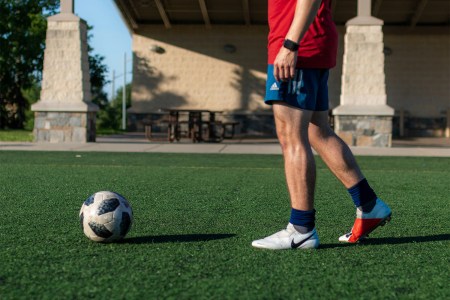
(199, 125)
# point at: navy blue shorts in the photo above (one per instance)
(308, 90)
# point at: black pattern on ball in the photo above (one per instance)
(100, 230)
(125, 223)
(107, 206)
(89, 200)
(81, 220)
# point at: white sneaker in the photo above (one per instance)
(289, 238)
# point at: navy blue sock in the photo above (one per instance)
(303, 220)
(362, 194)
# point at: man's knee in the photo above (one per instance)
(285, 137)
(292, 141)
(318, 135)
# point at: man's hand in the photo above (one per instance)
(284, 65)
(286, 60)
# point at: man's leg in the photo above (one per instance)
(292, 130)
(334, 152)
(371, 211)
(299, 165)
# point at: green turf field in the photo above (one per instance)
(194, 219)
(16, 135)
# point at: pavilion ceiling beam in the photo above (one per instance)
(133, 6)
(418, 13)
(376, 7)
(246, 9)
(205, 14)
(163, 14)
(128, 16)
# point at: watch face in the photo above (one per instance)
(290, 45)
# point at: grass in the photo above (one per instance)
(194, 219)
(16, 135)
(101, 131)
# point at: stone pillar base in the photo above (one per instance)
(371, 131)
(70, 127)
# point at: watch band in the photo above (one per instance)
(291, 45)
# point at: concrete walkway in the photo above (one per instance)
(138, 143)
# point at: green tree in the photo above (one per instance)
(23, 27)
(110, 117)
(98, 72)
(22, 36)
(31, 95)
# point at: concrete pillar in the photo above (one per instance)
(65, 112)
(363, 118)
(66, 7)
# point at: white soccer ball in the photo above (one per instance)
(106, 217)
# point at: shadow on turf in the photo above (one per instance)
(394, 240)
(176, 238)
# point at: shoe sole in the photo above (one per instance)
(308, 244)
(382, 223)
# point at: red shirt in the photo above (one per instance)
(318, 48)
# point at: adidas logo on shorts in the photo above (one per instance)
(274, 87)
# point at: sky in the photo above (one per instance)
(111, 37)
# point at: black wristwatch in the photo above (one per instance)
(291, 45)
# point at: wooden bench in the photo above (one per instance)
(213, 131)
(229, 129)
(193, 128)
(175, 131)
(149, 130)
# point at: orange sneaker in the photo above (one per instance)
(366, 222)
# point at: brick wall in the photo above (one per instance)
(195, 71)
(418, 73)
(418, 82)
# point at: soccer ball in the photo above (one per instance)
(106, 217)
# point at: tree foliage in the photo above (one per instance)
(23, 28)
(22, 37)
(110, 117)
(98, 72)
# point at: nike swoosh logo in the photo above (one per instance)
(296, 245)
